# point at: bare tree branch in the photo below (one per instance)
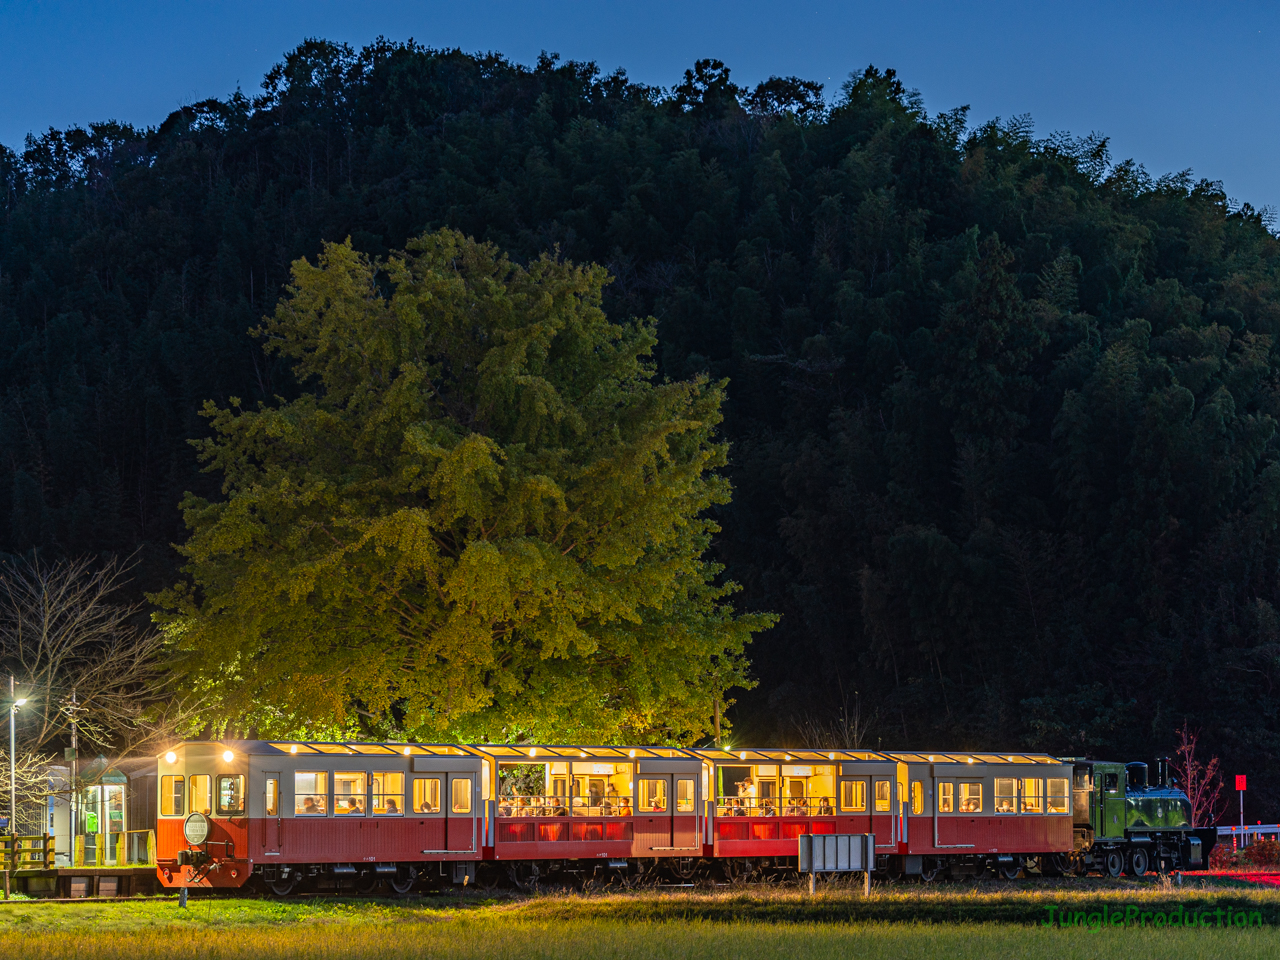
(1201, 781)
(847, 731)
(61, 632)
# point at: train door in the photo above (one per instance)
(917, 807)
(902, 801)
(853, 805)
(271, 823)
(655, 814)
(883, 815)
(684, 823)
(460, 820)
(1112, 800)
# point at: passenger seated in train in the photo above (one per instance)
(393, 809)
(624, 806)
(738, 809)
(559, 809)
(309, 807)
(766, 808)
(825, 809)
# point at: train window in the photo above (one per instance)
(388, 794)
(1111, 782)
(946, 797)
(970, 798)
(310, 793)
(1058, 795)
(1006, 794)
(460, 795)
(882, 796)
(231, 795)
(917, 797)
(653, 796)
(1083, 780)
(348, 793)
(173, 796)
(853, 795)
(201, 801)
(1033, 795)
(426, 795)
(272, 797)
(684, 796)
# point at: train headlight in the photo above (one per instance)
(170, 757)
(228, 756)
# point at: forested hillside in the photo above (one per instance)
(1002, 411)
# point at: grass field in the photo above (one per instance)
(783, 924)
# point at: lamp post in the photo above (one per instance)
(14, 703)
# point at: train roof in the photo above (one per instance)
(540, 752)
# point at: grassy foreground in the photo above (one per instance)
(782, 924)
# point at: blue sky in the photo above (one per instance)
(1175, 84)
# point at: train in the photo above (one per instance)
(285, 816)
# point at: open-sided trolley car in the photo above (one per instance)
(288, 813)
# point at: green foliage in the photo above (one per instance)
(1001, 409)
(483, 519)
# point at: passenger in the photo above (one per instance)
(360, 805)
(825, 809)
(309, 807)
(559, 810)
(738, 809)
(504, 810)
(766, 808)
(746, 788)
(393, 809)
(624, 807)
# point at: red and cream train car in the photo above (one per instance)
(288, 812)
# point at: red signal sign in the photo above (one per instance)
(1240, 781)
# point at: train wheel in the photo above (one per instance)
(1056, 865)
(1114, 862)
(684, 868)
(1138, 862)
(1009, 871)
(285, 886)
(931, 870)
(401, 885)
(367, 882)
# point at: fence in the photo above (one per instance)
(1242, 837)
(33, 852)
(132, 848)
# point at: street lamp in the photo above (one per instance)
(13, 767)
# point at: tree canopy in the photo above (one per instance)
(1001, 408)
(482, 518)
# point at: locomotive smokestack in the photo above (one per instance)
(1162, 772)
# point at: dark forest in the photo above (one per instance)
(1002, 409)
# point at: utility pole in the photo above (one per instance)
(75, 755)
(13, 767)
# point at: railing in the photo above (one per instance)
(137, 848)
(27, 853)
(775, 807)
(1243, 836)
(516, 807)
(130, 848)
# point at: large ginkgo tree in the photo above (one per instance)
(484, 517)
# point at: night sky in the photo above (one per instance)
(1175, 85)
